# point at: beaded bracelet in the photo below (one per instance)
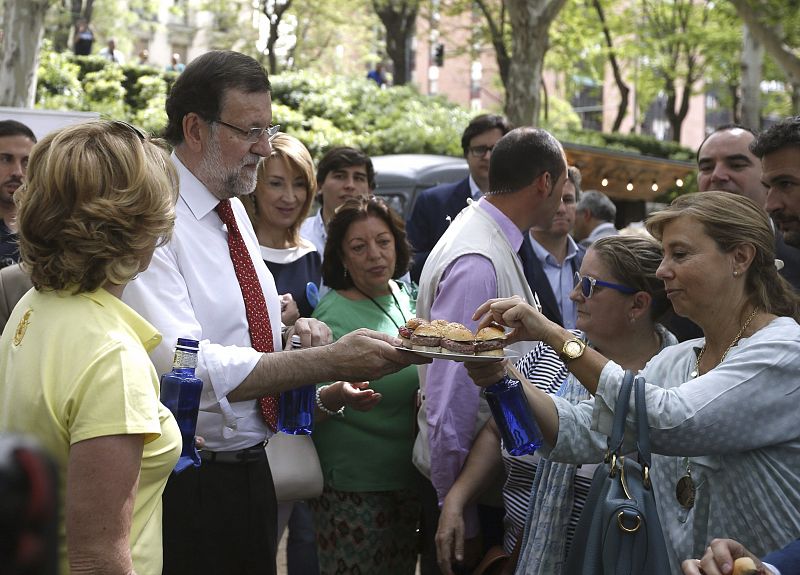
(322, 408)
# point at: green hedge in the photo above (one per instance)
(321, 111)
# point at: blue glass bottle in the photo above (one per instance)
(296, 406)
(180, 392)
(518, 428)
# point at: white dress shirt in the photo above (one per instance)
(190, 290)
(313, 229)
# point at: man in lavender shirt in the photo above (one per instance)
(476, 260)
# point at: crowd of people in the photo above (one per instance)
(115, 244)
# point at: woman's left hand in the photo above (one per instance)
(289, 311)
(358, 395)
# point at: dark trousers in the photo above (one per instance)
(221, 519)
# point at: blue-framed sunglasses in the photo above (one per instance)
(587, 284)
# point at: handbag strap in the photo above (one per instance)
(620, 414)
(642, 429)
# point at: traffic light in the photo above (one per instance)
(438, 55)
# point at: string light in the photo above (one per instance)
(654, 187)
(679, 182)
(604, 182)
(629, 187)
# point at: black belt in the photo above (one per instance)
(247, 455)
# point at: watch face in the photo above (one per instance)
(572, 348)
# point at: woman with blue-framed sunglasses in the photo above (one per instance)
(587, 284)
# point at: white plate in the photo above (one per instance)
(460, 356)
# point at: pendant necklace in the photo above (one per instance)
(380, 307)
(685, 490)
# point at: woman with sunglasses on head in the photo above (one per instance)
(366, 517)
(722, 409)
(74, 366)
(619, 301)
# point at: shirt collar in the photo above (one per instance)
(197, 197)
(143, 329)
(544, 256)
(510, 229)
(474, 190)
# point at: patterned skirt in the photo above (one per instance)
(363, 533)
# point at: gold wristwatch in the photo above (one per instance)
(572, 349)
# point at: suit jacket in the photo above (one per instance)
(14, 283)
(429, 219)
(791, 261)
(787, 560)
(537, 278)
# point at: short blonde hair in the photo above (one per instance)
(99, 197)
(296, 158)
(732, 220)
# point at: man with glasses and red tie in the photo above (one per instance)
(210, 283)
(436, 207)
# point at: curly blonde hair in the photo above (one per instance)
(98, 199)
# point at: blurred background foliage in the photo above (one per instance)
(322, 111)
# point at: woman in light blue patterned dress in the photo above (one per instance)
(722, 409)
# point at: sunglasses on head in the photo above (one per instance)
(587, 284)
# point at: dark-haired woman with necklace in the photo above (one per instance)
(370, 482)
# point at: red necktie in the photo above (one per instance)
(254, 304)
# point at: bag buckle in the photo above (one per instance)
(621, 516)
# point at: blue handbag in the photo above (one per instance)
(618, 532)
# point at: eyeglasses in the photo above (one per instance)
(587, 284)
(480, 151)
(253, 135)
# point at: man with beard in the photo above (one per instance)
(779, 150)
(725, 162)
(16, 141)
(209, 283)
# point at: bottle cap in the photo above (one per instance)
(185, 344)
(296, 342)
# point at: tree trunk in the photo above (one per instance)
(530, 23)
(275, 16)
(496, 32)
(398, 17)
(624, 90)
(23, 28)
(752, 60)
(770, 39)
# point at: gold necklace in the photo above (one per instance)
(736, 339)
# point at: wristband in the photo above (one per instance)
(322, 408)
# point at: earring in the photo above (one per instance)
(631, 318)
(735, 274)
(345, 272)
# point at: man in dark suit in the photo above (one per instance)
(436, 207)
(550, 257)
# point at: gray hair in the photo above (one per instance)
(598, 204)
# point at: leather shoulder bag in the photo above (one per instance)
(619, 532)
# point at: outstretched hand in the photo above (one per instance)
(358, 395)
(719, 559)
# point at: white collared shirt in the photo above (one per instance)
(190, 290)
(313, 229)
(561, 277)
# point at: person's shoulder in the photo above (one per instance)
(441, 191)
